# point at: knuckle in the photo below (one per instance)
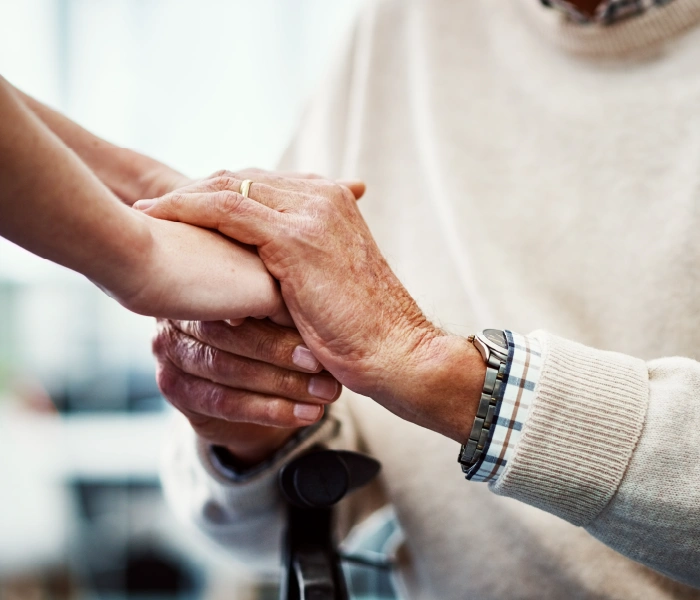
(346, 194)
(158, 343)
(337, 192)
(162, 339)
(169, 382)
(276, 413)
(222, 173)
(191, 328)
(220, 365)
(183, 350)
(213, 402)
(267, 348)
(206, 358)
(212, 332)
(313, 227)
(189, 354)
(227, 201)
(225, 183)
(172, 201)
(285, 382)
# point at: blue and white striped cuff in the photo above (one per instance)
(521, 375)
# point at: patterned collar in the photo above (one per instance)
(609, 12)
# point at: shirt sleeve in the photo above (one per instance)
(225, 464)
(521, 375)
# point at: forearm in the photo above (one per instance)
(654, 515)
(54, 206)
(610, 444)
(130, 175)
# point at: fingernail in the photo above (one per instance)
(144, 204)
(307, 412)
(323, 387)
(302, 357)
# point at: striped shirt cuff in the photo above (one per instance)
(521, 375)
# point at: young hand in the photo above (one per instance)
(186, 272)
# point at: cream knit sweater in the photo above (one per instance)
(529, 174)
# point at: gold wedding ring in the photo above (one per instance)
(245, 187)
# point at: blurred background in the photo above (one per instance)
(201, 85)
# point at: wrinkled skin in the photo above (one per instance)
(349, 307)
(238, 386)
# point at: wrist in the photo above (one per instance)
(249, 452)
(160, 180)
(124, 275)
(133, 176)
(439, 383)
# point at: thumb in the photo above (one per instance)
(356, 187)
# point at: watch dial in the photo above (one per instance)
(497, 337)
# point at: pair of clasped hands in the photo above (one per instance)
(313, 306)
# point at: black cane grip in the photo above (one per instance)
(322, 478)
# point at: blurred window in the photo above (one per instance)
(199, 84)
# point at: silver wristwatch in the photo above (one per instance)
(493, 346)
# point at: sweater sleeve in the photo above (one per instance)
(244, 515)
(612, 444)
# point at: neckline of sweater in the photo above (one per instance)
(644, 33)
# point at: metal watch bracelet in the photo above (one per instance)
(493, 346)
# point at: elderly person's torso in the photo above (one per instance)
(559, 180)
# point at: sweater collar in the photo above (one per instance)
(643, 33)
(609, 12)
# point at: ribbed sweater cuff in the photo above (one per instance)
(583, 426)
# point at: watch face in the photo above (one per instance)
(497, 337)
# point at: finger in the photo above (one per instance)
(284, 200)
(356, 187)
(301, 183)
(243, 219)
(194, 357)
(193, 395)
(282, 317)
(290, 181)
(283, 196)
(285, 179)
(265, 188)
(260, 340)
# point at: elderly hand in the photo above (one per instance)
(162, 180)
(248, 388)
(349, 307)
